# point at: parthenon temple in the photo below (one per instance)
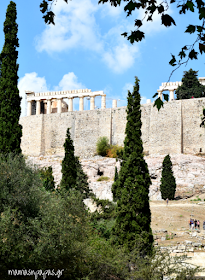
(52, 102)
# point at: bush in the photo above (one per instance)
(102, 146)
(46, 176)
(103, 178)
(114, 151)
(39, 229)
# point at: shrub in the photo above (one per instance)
(103, 178)
(102, 146)
(46, 176)
(114, 150)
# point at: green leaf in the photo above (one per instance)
(193, 54)
(200, 28)
(160, 9)
(49, 17)
(191, 29)
(136, 36)
(167, 20)
(202, 48)
(124, 34)
(158, 103)
(138, 22)
(166, 96)
(201, 13)
(44, 6)
(172, 61)
(182, 54)
(152, 8)
(155, 95)
(190, 5)
(131, 6)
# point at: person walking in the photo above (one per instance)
(195, 224)
(198, 224)
(190, 223)
(167, 200)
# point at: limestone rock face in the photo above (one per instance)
(189, 172)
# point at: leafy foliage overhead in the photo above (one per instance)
(150, 8)
(186, 53)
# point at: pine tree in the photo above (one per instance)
(132, 187)
(69, 171)
(191, 86)
(10, 110)
(168, 184)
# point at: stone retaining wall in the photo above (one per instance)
(173, 129)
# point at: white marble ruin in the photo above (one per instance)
(47, 97)
(172, 86)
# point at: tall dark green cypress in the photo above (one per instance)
(10, 101)
(131, 190)
(69, 171)
(191, 86)
(168, 183)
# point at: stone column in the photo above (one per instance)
(29, 108)
(114, 103)
(70, 104)
(171, 95)
(81, 103)
(160, 94)
(48, 106)
(59, 109)
(92, 103)
(149, 101)
(38, 107)
(103, 101)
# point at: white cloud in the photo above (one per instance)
(77, 26)
(111, 11)
(30, 82)
(121, 57)
(74, 27)
(127, 86)
(69, 81)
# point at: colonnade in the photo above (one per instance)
(171, 87)
(47, 98)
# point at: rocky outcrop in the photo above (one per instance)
(188, 170)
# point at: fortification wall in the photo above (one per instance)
(174, 129)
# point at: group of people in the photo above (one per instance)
(195, 224)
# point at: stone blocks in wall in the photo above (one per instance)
(173, 129)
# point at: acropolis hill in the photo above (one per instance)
(173, 129)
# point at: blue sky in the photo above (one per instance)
(85, 49)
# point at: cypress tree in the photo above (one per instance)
(132, 187)
(10, 101)
(168, 184)
(69, 171)
(191, 86)
(114, 185)
(82, 181)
